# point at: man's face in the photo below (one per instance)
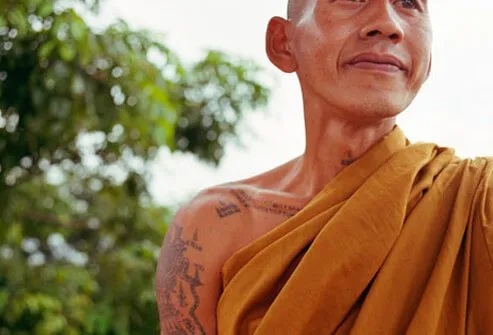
(367, 58)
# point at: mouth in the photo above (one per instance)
(378, 62)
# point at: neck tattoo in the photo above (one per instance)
(347, 162)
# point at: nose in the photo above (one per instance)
(383, 22)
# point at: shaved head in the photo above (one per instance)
(290, 9)
(294, 8)
(298, 8)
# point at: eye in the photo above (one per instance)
(409, 4)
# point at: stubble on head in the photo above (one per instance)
(293, 8)
(297, 9)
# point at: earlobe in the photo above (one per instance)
(277, 45)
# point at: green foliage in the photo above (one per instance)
(82, 115)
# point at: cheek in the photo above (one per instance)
(318, 54)
(421, 57)
(420, 46)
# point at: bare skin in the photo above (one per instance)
(360, 64)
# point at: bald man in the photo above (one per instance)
(364, 233)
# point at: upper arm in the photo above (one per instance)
(188, 273)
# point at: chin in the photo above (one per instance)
(374, 108)
(367, 104)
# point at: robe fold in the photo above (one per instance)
(399, 242)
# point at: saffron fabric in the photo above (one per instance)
(399, 242)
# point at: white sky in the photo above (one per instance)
(453, 109)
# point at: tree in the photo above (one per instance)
(83, 113)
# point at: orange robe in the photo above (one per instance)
(399, 242)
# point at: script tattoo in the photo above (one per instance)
(177, 293)
(265, 205)
(224, 210)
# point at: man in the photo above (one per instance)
(364, 233)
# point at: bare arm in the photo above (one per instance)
(188, 275)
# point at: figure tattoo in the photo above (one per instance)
(224, 210)
(265, 205)
(177, 292)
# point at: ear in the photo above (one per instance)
(277, 45)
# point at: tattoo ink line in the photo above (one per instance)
(225, 210)
(265, 205)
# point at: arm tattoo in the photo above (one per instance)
(265, 205)
(177, 292)
(224, 210)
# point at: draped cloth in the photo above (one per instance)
(399, 242)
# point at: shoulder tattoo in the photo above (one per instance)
(264, 204)
(177, 293)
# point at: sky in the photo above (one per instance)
(454, 107)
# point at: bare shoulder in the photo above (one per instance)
(204, 233)
(220, 216)
(188, 280)
(211, 208)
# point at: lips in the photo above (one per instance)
(378, 61)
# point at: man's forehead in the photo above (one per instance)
(296, 6)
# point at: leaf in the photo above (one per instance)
(45, 9)
(67, 52)
(14, 234)
(78, 29)
(18, 20)
(4, 295)
(51, 324)
(47, 48)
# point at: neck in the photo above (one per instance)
(332, 143)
